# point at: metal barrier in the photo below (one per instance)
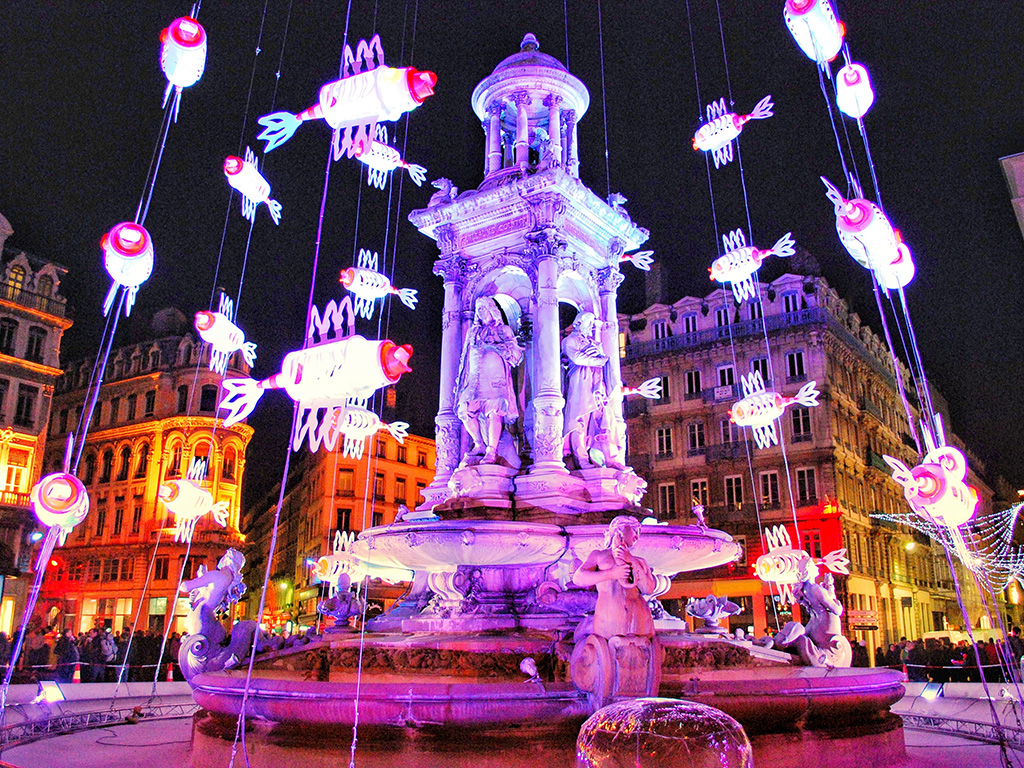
(59, 724)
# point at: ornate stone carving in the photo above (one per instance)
(712, 610)
(521, 98)
(446, 192)
(496, 107)
(821, 643)
(455, 268)
(586, 395)
(609, 279)
(446, 234)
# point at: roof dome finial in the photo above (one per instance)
(529, 43)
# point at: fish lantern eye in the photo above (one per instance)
(800, 6)
(186, 32)
(347, 277)
(127, 239)
(168, 492)
(204, 321)
(232, 165)
(927, 483)
(395, 360)
(421, 84)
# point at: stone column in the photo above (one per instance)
(493, 161)
(553, 103)
(572, 160)
(522, 101)
(609, 280)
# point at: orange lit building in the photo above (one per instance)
(33, 318)
(155, 412)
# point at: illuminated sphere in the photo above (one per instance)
(659, 733)
(854, 94)
(183, 52)
(128, 254)
(60, 500)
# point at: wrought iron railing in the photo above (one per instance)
(47, 304)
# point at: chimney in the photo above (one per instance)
(652, 284)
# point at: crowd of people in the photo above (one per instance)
(938, 660)
(97, 655)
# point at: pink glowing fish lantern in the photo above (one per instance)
(785, 566)
(244, 176)
(816, 29)
(759, 408)
(219, 331)
(935, 488)
(356, 423)
(741, 261)
(870, 239)
(128, 259)
(717, 134)
(381, 159)
(367, 285)
(188, 501)
(854, 94)
(59, 502)
(182, 57)
(353, 105)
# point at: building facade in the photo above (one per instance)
(33, 318)
(831, 478)
(329, 493)
(155, 412)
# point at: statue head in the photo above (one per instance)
(487, 312)
(626, 527)
(585, 323)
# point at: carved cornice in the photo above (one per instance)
(609, 279)
(447, 238)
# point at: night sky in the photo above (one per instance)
(81, 87)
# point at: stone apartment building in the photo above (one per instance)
(831, 477)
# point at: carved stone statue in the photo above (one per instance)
(586, 396)
(821, 642)
(485, 395)
(342, 603)
(712, 610)
(207, 647)
(446, 192)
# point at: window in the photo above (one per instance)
(174, 466)
(695, 436)
(811, 542)
(107, 469)
(343, 520)
(756, 310)
(154, 359)
(143, 466)
(76, 571)
(726, 376)
(660, 330)
(741, 541)
(4, 385)
(801, 420)
(420, 488)
(722, 317)
(666, 391)
(208, 398)
(790, 302)
(730, 432)
(15, 281)
(111, 569)
(136, 519)
(36, 343)
(382, 449)
(190, 567)
(421, 459)
(115, 407)
(17, 470)
(90, 469)
(663, 437)
(689, 323)
(693, 388)
(26, 405)
(62, 421)
(126, 462)
(760, 364)
(770, 490)
(400, 490)
(44, 285)
(101, 520)
(734, 491)
(8, 331)
(345, 485)
(183, 398)
(402, 455)
(795, 366)
(150, 402)
(378, 486)
(806, 489)
(127, 569)
(666, 501)
(376, 518)
(699, 491)
(227, 471)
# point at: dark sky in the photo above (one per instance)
(80, 86)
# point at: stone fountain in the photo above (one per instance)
(514, 532)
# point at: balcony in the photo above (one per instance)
(738, 330)
(872, 408)
(634, 408)
(736, 450)
(15, 499)
(876, 461)
(47, 304)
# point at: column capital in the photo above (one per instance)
(447, 237)
(455, 269)
(609, 279)
(521, 98)
(545, 243)
(495, 107)
(568, 116)
(552, 100)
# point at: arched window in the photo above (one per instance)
(208, 398)
(90, 469)
(8, 332)
(143, 466)
(154, 358)
(44, 286)
(203, 453)
(174, 466)
(186, 354)
(227, 472)
(108, 466)
(15, 281)
(126, 461)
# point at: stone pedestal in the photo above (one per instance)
(621, 667)
(482, 485)
(609, 488)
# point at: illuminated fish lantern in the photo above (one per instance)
(641, 259)
(870, 239)
(189, 501)
(816, 29)
(128, 259)
(60, 502)
(356, 423)
(182, 57)
(330, 569)
(367, 285)
(716, 135)
(741, 261)
(244, 176)
(381, 159)
(759, 409)
(353, 105)
(854, 94)
(785, 566)
(935, 488)
(219, 331)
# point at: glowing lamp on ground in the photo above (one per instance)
(935, 488)
(815, 27)
(182, 56)
(854, 94)
(128, 259)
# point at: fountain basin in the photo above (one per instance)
(668, 549)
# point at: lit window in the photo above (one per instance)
(699, 491)
(770, 490)
(734, 491)
(667, 501)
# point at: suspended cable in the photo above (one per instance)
(604, 102)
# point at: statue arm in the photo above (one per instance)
(590, 573)
(584, 354)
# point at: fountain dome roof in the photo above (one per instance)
(529, 56)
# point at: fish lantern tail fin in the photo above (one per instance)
(836, 561)
(833, 194)
(784, 246)
(278, 127)
(240, 400)
(108, 302)
(408, 297)
(807, 395)
(248, 350)
(763, 109)
(399, 430)
(650, 389)
(643, 260)
(417, 173)
(219, 511)
(275, 210)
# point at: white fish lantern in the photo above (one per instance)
(188, 501)
(717, 134)
(182, 56)
(935, 488)
(785, 566)
(369, 285)
(381, 159)
(816, 28)
(870, 239)
(244, 176)
(759, 408)
(128, 259)
(741, 261)
(854, 94)
(323, 376)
